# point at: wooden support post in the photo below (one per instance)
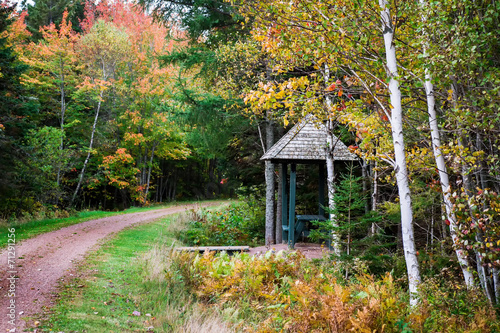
(321, 197)
(291, 215)
(284, 202)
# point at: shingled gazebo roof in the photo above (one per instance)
(306, 143)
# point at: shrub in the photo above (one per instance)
(448, 306)
(241, 223)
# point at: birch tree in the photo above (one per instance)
(101, 50)
(400, 167)
(440, 162)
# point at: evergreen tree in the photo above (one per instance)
(44, 12)
(210, 24)
(15, 112)
(354, 224)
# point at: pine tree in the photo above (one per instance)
(44, 12)
(15, 110)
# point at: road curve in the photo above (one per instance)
(41, 261)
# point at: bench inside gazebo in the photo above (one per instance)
(305, 143)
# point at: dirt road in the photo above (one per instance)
(41, 261)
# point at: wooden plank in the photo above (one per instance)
(311, 218)
(213, 248)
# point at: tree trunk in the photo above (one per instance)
(364, 174)
(63, 111)
(330, 170)
(401, 171)
(330, 183)
(278, 228)
(149, 172)
(496, 284)
(443, 173)
(374, 194)
(90, 149)
(269, 174)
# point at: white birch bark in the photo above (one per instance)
(496, 284)
(82, 172)
(330, 179)
(442, 170)
(401, 170)
(374, 195)
(330, 170)
(149, 172)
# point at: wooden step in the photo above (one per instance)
(214, 248)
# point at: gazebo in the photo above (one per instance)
(305, 143)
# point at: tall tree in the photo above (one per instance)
(400, 166)
(439, 158)
(55, 69)
(16, 110)
(102, 50)
(43, 13)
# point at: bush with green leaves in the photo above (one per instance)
(241, 223)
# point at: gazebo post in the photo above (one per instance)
(291, 215)
(321, 197)
(284, 201)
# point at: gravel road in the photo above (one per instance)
(41, 261)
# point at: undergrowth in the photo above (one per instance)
(287, 293)
(241, 223)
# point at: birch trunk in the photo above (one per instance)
(496, 284)
(468, 186)
(443, 173)
(374, 195)
(149, 172)
(364, 174)
(401, 171)
(330, 180)
(82, 173)
(445, 183)
(269, 175)
(330, 170)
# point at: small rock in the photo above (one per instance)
(148, 314)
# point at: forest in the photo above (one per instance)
(112, 104)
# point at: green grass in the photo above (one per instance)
(123, 276)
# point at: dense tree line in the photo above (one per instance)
(92, 117)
